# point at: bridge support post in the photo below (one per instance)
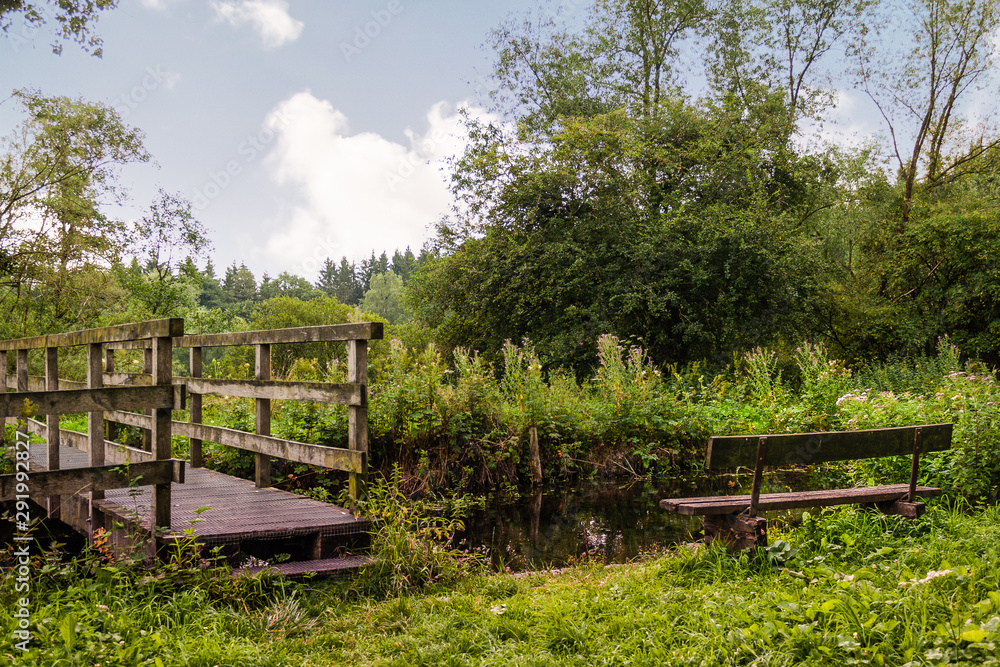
(162, 367)
(194, 359)
(262, 412)
(52, 433)
(357, 417)
(95, 431)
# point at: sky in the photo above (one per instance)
(298, 129)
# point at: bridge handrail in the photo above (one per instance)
(100, 393)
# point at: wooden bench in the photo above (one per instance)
(735, 520)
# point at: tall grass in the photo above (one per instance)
(465, 424)
(847, 587)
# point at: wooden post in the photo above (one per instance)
(95, 429)
(357, 416)
(161, 364)
(147, 367)
(52, 433)
(758, 473)
(536, 459)
(262, 410)
(111, 427)
(21, 371)
(194, 357)
(915, 465)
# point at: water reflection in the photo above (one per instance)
(608, 522)
(552, 528)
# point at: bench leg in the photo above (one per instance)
(736, 531)
(902, 508)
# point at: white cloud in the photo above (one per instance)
(849, 123)
(269, 18)
(358, 192)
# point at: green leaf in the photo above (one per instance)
(974, 635)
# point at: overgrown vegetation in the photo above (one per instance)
(847, 587)
(464, 424)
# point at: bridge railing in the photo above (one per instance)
(263, 389)
(103, 392)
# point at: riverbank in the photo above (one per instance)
(847, 587)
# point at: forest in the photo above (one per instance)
(665, 176)
(664, 230)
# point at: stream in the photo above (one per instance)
(606, 521)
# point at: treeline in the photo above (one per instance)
(375, 284)
(644, 181)
(665, 172)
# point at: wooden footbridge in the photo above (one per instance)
(91, 481)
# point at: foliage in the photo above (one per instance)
(411, 545)
(74, 19)
(56, 171)
(384, 298)
(847, 587)
(163, 276)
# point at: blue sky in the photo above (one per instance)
(300, 129)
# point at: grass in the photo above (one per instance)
(846, 587)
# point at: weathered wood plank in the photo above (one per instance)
(114, 452)
(194, 406)
(52, 445)
(784, 501)
(262, 415)
(37, 382)
(320, 334)
(317, 455)
(170, 327)
(80, 480)
(92, 400)
(357, 419)
(130, 419)
(732, 451)
(315, 392)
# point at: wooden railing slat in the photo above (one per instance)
(300, 452)
(69, 401)
(71, 481)
(170, 327)
(314, 392)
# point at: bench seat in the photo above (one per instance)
(699, 506)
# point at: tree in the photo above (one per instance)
(694, 258)
(56, 171)
(74, 20)
(289, 285)
(404, 264)
(385, 298)
(921, 92)
(211, 295)
(340, 281)
(239, 285)
(167, 240)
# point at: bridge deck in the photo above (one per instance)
(241, 518)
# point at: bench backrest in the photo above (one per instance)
(731, 451)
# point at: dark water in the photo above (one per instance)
(608, 522)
